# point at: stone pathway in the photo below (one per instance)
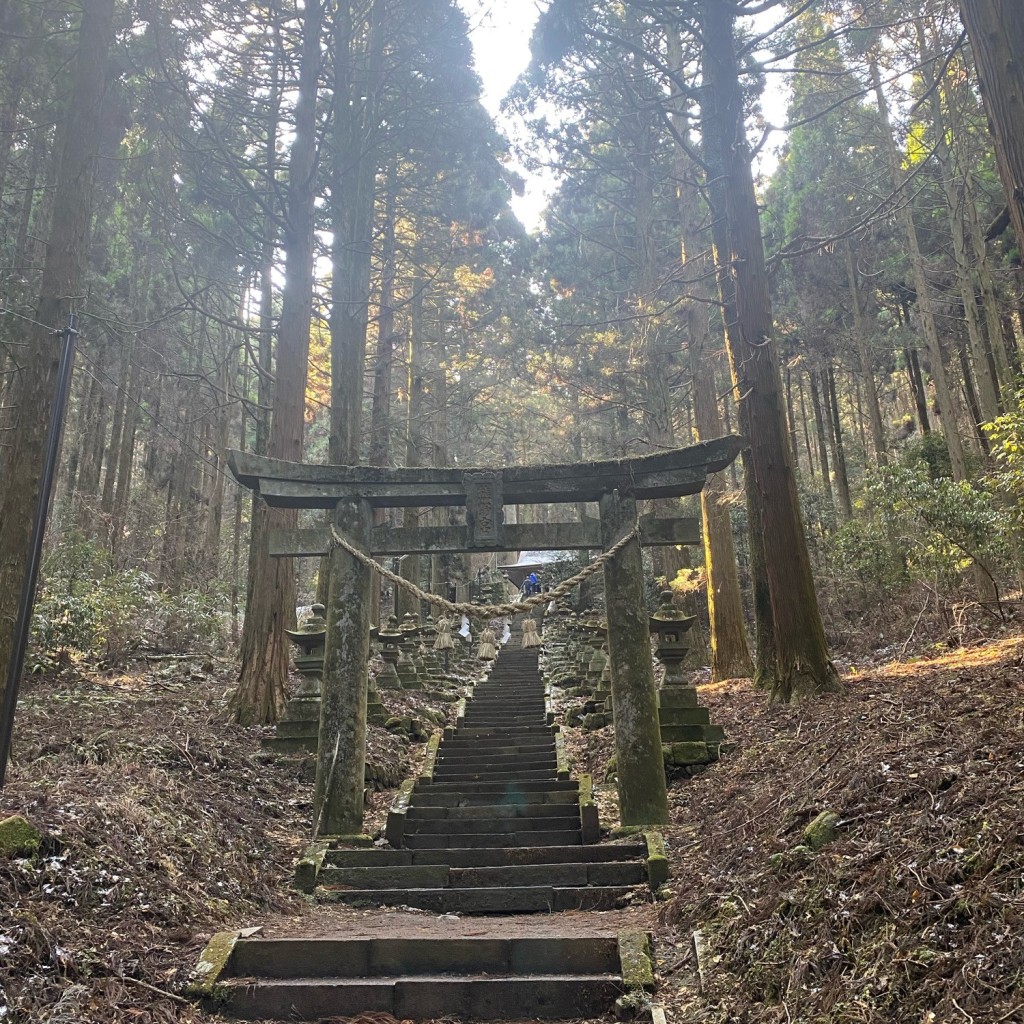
(494, 825)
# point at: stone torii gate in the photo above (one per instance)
(353, 492)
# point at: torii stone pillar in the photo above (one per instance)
(643, 799)
(341, 757)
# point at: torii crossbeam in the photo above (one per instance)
(353, 492)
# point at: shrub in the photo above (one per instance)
(86, 609)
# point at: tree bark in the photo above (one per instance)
(985, 380)
(996, 31)
(917, 387)
(803, 665)
(820, 433)
(867, 370)
(838, 448)
(925, 300)
(21, 459)
(270, 603)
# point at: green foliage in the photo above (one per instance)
(913, 527)
(88, 610)
(931, 451)
(1006, 434)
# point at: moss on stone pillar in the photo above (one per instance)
(641, 769)
(340, 764)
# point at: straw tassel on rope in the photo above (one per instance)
(443, 640)
(531, 638)
(487, 650)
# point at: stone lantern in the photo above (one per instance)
(408, 671)
(299, 728)
(309, 660)
(389, 638)
(669, 627)
(689, 740)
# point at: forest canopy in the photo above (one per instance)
(287, 229)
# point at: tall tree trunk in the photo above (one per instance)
(838, 448)
(414, 440)
(986, 384)
(822, 438)
(803, 665)
(353, 172)
(805, 420)
(384, 360)
(730, 655)
(270, 602)
(996, 31)
(21, 458)
(867, 370)
(925, 300)
(918, 389)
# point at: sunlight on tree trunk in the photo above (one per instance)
(803, 665)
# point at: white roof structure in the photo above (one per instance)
(531, 561)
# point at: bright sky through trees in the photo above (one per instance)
(500, 31)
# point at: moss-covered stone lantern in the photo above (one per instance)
(389, 637)
(689, 740)
(669, 627)
(299, 727)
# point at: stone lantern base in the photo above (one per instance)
(688, 738)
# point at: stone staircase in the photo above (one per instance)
(493, 825)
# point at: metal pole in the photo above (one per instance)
(28, 591)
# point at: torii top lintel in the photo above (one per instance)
(669, 474)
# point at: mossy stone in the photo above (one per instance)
(824, 829)
(18, 838)
(636, 960)
(686, 753)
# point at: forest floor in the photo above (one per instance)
(163, 823)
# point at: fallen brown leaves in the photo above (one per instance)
(914, 915)
(163, 823)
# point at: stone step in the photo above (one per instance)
(503, 705)
(507, 691)
(569, 874)
(513, 732)
(471, 840)
(460, 754)
(572, 874)
(497, 722)
(433, 796)
(362, 958)
(533, 711)
(526, 899)
(471, 765)
(513, 790)
(463, 746)
(489, 856)
(489, 826)
(501, 856)
(526, 775)
(424, 997)
(507, 694)
(492, 811)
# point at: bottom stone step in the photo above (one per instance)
(486, 977)
(539, 997)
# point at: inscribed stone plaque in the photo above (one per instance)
(484, 512)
